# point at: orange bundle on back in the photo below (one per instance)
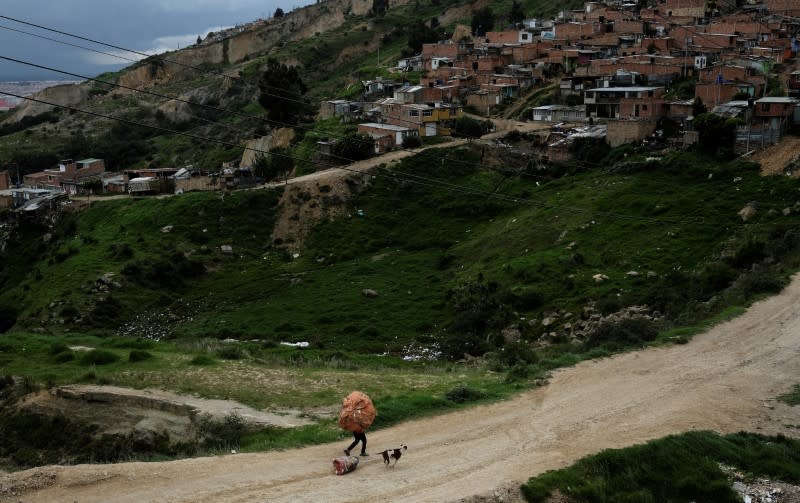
(357, 413)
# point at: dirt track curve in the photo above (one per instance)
(723, 380)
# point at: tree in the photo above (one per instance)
(199, 40)
(421, 34)
(278, 13)
(281, 92)
(278, 163)
(379, 7)
(698, 107)
(412, 142)
(467, 127)
(482, 21)
(92, 186)
(516, 14)
(354, 147)
(716, 133)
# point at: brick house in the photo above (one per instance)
(428, 120)
(616, 102)
(509, 37)
(5, 180)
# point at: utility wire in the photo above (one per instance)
(269, 121)
(286, 97)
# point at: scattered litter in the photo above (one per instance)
(302, 344)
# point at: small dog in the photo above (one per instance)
(394, 454)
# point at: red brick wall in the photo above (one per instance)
(628, 27)
(439, 51)
(525, 53)
(663, 45)
(710, 74)
(503, 37)
(5, 180)
(575, 31)
(714, 94)
(649, 108)
(785, 7)
(92, 169)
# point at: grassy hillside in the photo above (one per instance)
(678, 468)
(456, 252)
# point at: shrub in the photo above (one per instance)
(138, 355)
(760, 282)
(99, 357)
(622, 333)
(222, 434)
(8, 317)
(412, 142)
(121, 251)
(463, 393)
(231, 353)
(6, 381)
(64, 357)
(57, 347)
(201, 360)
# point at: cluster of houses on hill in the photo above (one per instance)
(618, 69)
(43, 190)
(618, 62)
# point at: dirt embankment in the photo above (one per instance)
(724, 380)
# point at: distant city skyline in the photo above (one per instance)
(149, 26)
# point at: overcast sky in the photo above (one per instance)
(143, 25)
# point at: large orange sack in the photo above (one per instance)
(357, 413)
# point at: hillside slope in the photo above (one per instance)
(724, 380)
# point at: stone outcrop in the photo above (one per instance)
(559, 326)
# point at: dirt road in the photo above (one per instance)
(723, 380)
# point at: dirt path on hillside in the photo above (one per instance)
(724, 380)
(775, 158)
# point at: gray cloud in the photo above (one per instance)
(148, 26)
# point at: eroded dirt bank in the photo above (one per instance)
(724, 380)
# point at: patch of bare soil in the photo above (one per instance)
(723, 380)
(118, 410)
(775, 159)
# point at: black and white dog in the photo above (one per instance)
(394, 454)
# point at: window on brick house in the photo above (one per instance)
(765, 107)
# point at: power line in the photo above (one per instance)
(172, 97)
(155, 57)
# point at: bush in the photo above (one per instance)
(463, 393)
(138, 355)
(231, 353)
(223, 434)
(6, 381)
(64, 357)
(57, 347)
(202, 360)
(8, 317)
(99, 357)
(412, 142)
(623, 333)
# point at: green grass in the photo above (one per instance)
(793, 397)
(419, 246)
(679, 468)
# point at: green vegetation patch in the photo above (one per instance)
(793, 397)
(679, 468)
